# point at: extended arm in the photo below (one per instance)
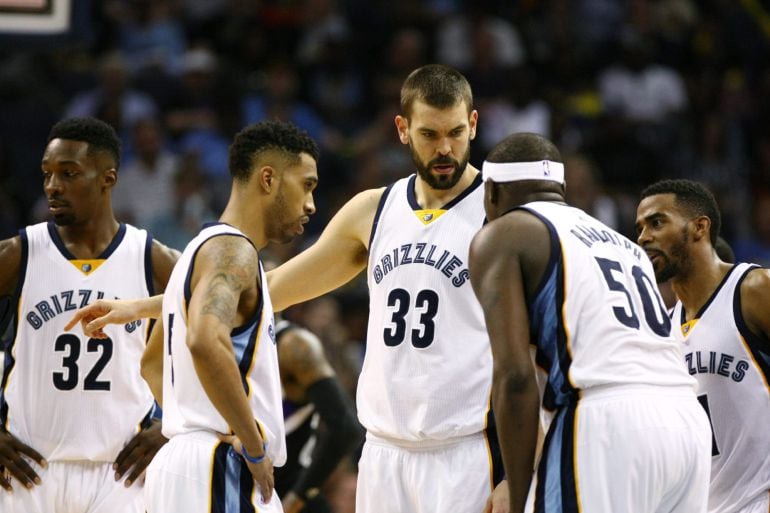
(308, 376)
(94, 317)
(336, 258)
(497, 278)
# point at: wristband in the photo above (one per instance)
(256, 460)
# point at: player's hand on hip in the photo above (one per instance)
(262, 472)
(94, 317)
(138, 453)
(12, 452)
(499, 501)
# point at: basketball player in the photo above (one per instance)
(75, 414)
(722, 320)
(321, 425)
(320, 421)
(424, 391)
(560, 289)
(423, 394)
(219, 356)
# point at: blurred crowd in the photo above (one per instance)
(630, 90)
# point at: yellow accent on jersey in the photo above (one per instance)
(688, 326)
(88, 265)
(429, 215)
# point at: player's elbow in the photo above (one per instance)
(514, 379)
(201, 342)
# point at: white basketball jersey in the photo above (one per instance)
(598, 318)
(732, 368)
(427, 371)
(68, 396)
(186, 406)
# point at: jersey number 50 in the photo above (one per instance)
(654, 312)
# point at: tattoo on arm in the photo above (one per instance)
(235, 271)
(222, 298)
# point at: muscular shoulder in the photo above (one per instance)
(756, 286)
(518, 231)
(163, 260)
(755, 301)
(516, 240)
(10, 263)
(232, 255)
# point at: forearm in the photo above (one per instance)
(220, 377)
(149, 307)
(302, 279)
(516, 410)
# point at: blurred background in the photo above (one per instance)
(630, 90)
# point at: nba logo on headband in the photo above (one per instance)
(513, 171)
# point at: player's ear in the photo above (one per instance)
(701, 227)
(267, 177)
(109, 178)
(473, 122)
(491, 192)
(402, 125)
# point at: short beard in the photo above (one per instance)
(676, 261)
(440, 182)
(278, 230)
(64, 219)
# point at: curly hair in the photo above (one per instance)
(693, 197)
(99, 136)
(264, 136)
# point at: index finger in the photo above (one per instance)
(77, 317)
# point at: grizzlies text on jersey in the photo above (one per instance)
(68, 396)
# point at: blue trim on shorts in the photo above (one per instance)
(218, 478)
(556, 490)
(232, 484)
